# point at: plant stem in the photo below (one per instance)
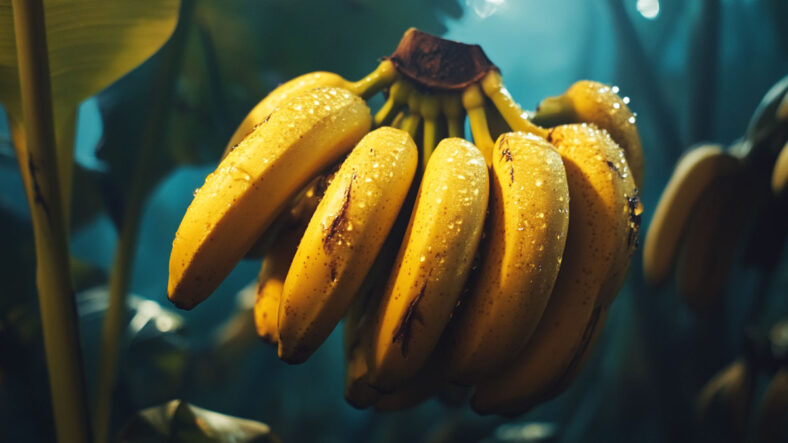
(161, 91)
(55, 291)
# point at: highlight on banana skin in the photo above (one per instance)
(484, 262)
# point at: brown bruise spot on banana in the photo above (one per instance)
(340, 221)
(38, 196)
(615, 169)
(635, 209)
(506, 154)
(403, 331)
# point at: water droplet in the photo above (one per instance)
(614, 89)
(196, 191)
(625, 100)
(422, 258)
(616, 105)
(631, 120)
(237, 173)
(539, 183)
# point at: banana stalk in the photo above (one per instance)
(55, 290)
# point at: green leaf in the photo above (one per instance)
(91, 44)
(178, 421)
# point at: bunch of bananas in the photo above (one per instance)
(489, 264)
(713, 197)
(731, 407)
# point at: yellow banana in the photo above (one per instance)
(573, 370)
(599, 224)
(593, 102)
(428, 381)
(242, 197)
(357, 335)
(710, 240)
(529, 210)
(343, 238)
(299, 211)
(271, 280)
(780, 171)
(771, 418)
(694, 172)
(433, 262)
(285, 92)
(360, 318)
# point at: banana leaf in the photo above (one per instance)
(91, 43)
(178, 421)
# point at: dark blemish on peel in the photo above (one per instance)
(633, 203)
(403, 332)
(614, 168)
(340, 220)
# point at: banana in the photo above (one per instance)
(276, 262)
(725, 399)
(360, 318)
(432, 264)
(573, 370)
(357, 335)
(693, 173)
(771, 419)
(240, 199)
(529, 216)
(343, 238)
(600, 222)
(711, 240)
(298, 212)
(593, 102)
(280, 95)
(383, 75)
(780, 171)
(427, 382)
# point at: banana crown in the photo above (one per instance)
(456, 248)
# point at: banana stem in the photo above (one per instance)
(554, 111)
(383, 76)
(473, 101)
(430, 110)
(59, 320)
(451, 106)
(430, 138)
(410, 124)
(398, 97)
(386, 113)
(161, 91)
(514, 115)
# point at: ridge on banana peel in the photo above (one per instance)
(529, 216)
(426, 301)
(242, 197)
(343, 238)
(600, 223)
(433, 262)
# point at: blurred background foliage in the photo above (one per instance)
(695, 71)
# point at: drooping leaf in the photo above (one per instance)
(91, 44)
